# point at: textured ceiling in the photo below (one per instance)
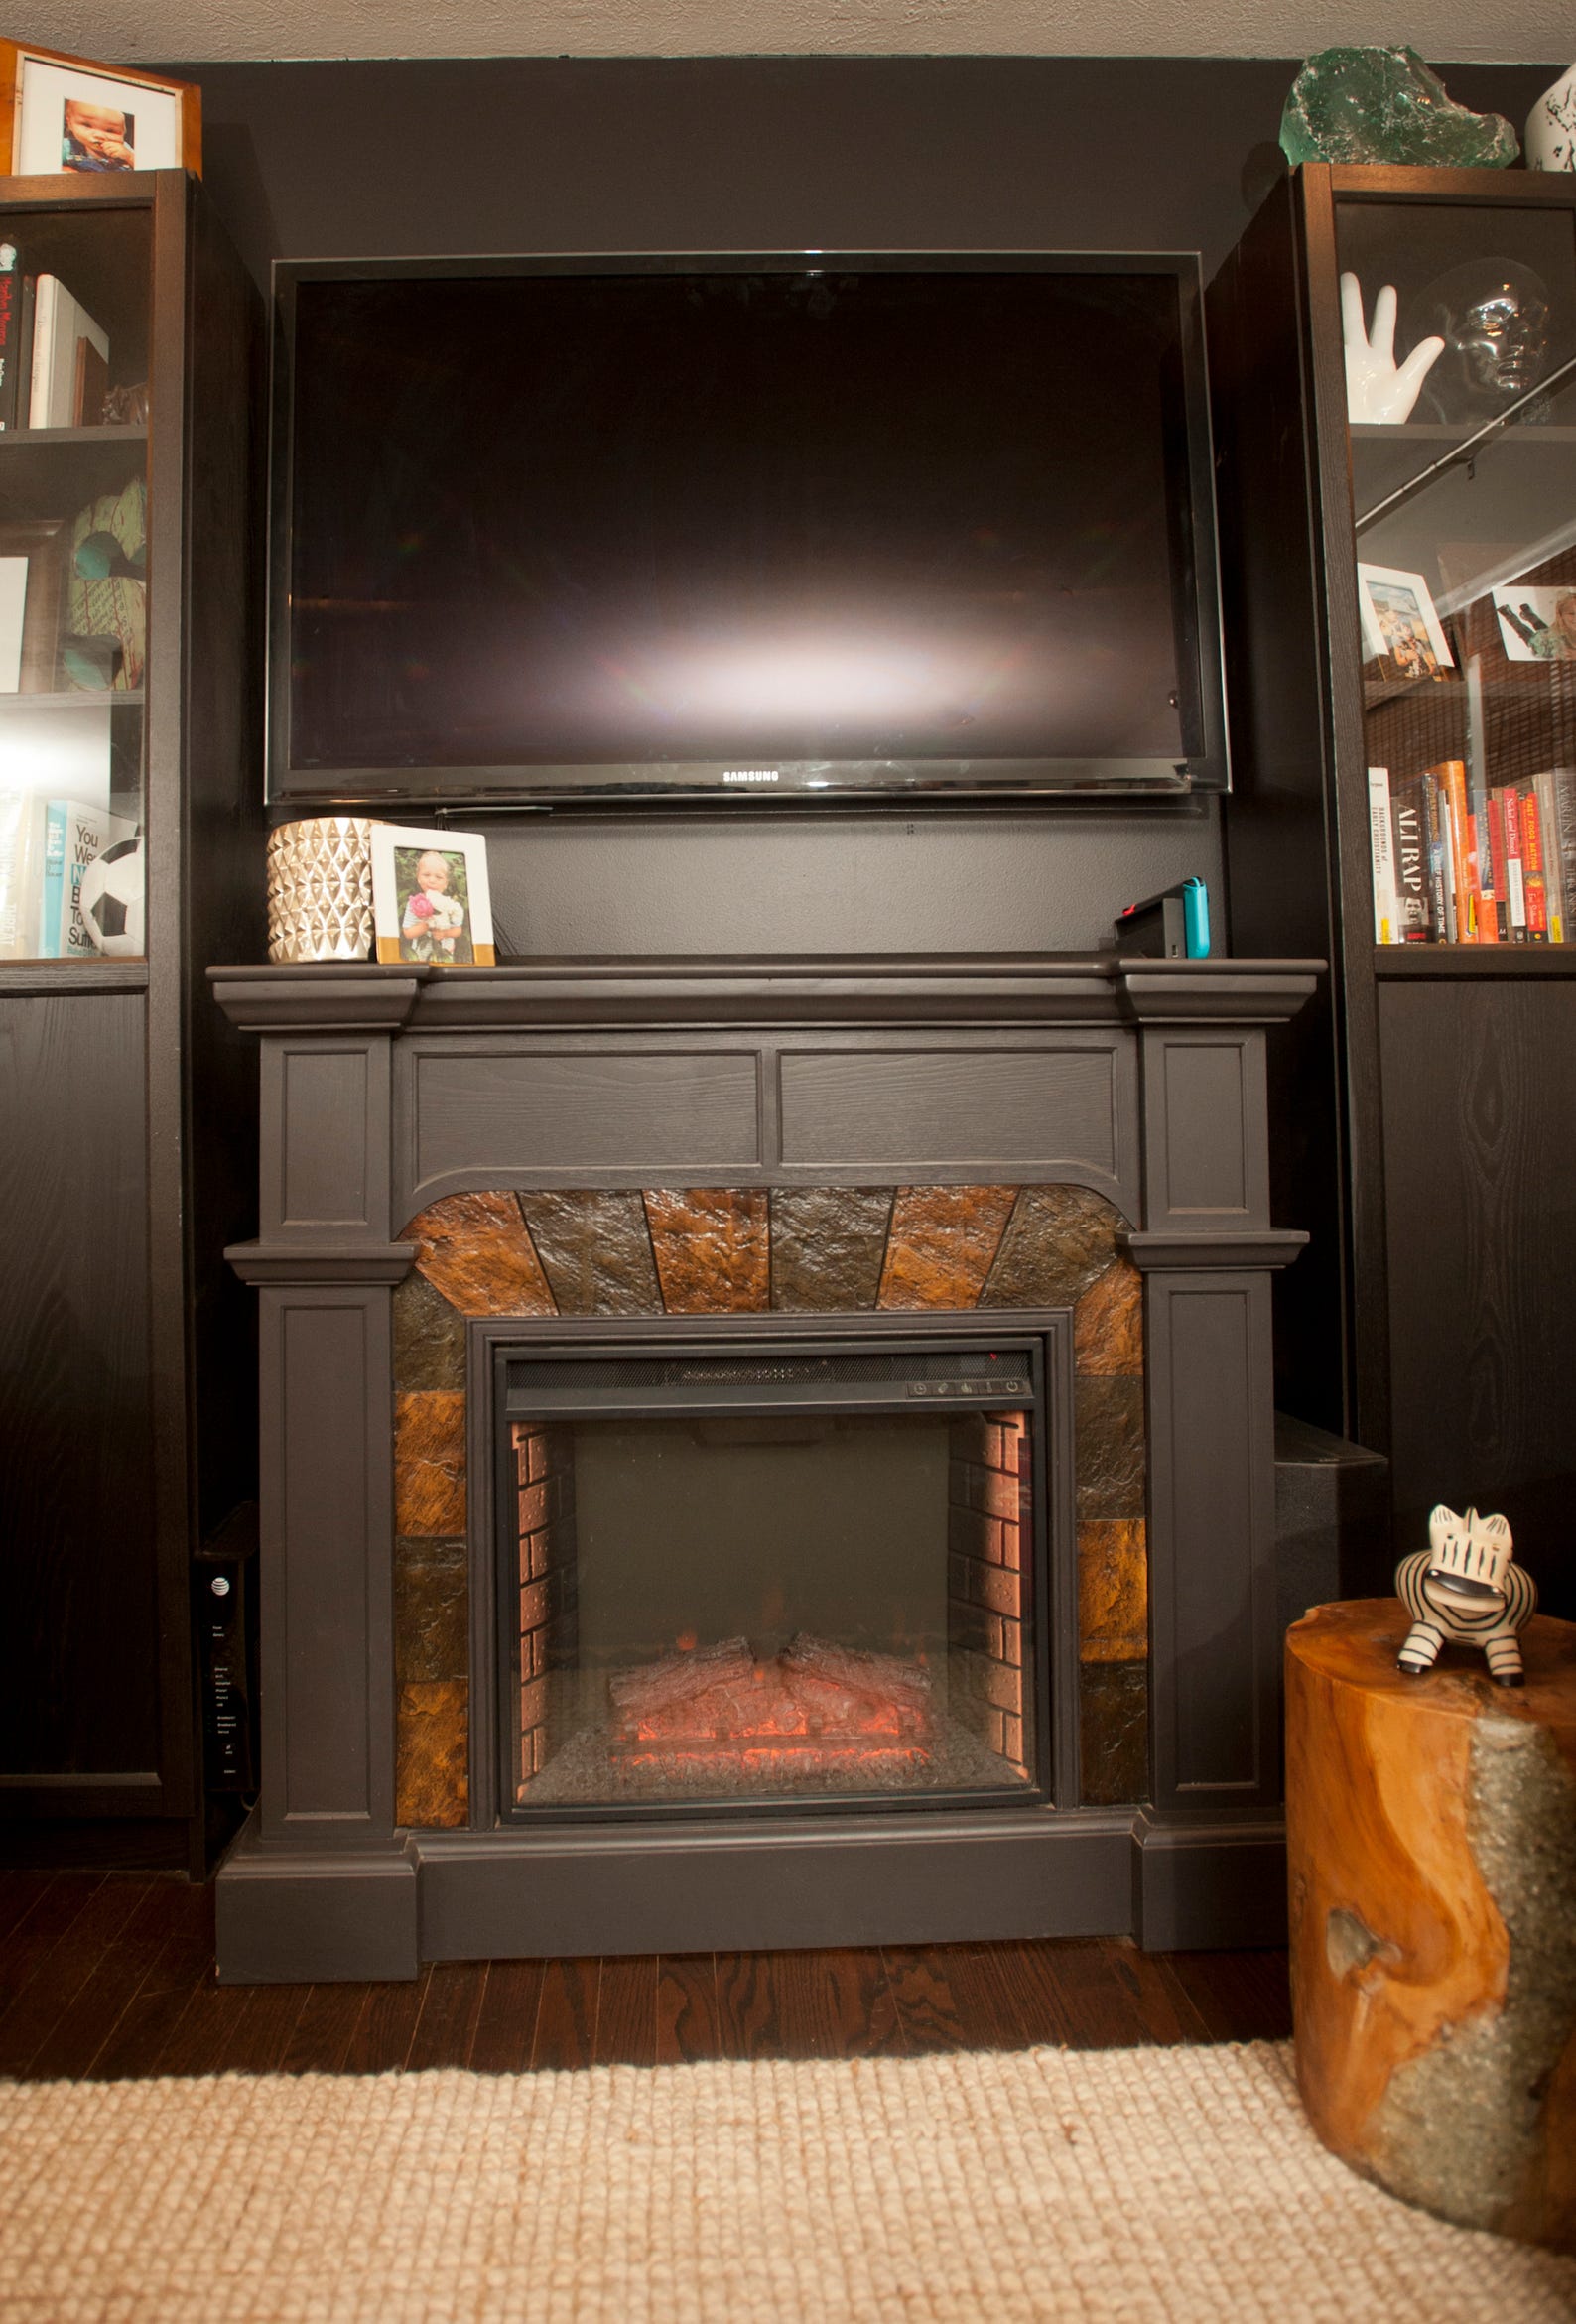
(206, 31)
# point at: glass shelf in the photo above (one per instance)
(74, 591)
(1466, 547)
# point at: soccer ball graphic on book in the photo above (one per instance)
(111, 899)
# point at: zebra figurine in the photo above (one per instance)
(1465, 1586)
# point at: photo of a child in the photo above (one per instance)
(432, 892)
(431, 903)
(1400, 619)
(96, 137)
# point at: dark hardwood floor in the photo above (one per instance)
(109, 1977)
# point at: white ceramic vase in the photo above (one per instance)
(1551, 127)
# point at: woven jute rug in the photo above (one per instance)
(1122, 2184)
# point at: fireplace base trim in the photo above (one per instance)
(731, 1887)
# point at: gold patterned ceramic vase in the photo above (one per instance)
(319, 889)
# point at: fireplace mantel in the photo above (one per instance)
(387, 1090)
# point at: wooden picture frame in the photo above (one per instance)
(36, 137)
(43, 541)
(405, 880)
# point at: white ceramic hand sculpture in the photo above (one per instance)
(1375, 387)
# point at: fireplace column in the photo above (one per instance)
(319, 1885)
(1210, 1846)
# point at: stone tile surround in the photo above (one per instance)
(816, 1250)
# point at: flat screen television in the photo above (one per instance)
(807, 525)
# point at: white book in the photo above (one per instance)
(1382, 851)
(69, 349)
(23, 819)
(13, 605)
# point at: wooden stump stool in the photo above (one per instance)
(1431, 1837)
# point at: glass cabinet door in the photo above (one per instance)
(1465, 508)
(75, 291)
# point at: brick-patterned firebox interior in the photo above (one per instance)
(835, 1252)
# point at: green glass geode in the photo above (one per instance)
(1384, 105)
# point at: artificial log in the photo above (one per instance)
(1431, 1837)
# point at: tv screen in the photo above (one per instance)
(742, 527)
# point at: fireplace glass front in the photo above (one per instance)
(800, 1574)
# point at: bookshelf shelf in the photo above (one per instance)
(1411, 963)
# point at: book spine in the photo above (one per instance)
(20, 825)
(1437, 855)
(1508, 909)
(1559, 837)
(51, 919)
(1453, 785)
(10, 333)
(1513, 910)
(1543, 790)
(45, 293)
(1534, 878)
(1408, 853)
(1380, 855)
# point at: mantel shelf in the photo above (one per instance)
(853, 991)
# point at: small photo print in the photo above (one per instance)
(1538, 625)
(429, 897)
(96, 137)
(1400, 624)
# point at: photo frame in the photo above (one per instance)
(1401, 628)
(431, 903)
(69, 116)
(30, 658)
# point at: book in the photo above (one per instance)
(1436, 845)
(10, 333)
(1381, 857)
(74, 835)
(1409, 860)
(1451, 775)
(1557, 787)
(1556, 884)
(22, 829)
(71, 359)
(1506, 907)
(13, 612)
(1534, 878)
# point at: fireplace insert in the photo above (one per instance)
(774, 1575)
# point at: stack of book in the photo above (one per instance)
(46, 846)
(1455, 863)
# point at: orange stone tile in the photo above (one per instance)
(430, 1464)
(1108, 1322)
(940, 1244)
(712, 1248)
(1113, 1591)
(476, 1250)
(431, 1754)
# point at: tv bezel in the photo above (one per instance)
(806, 783)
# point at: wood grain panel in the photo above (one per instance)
(492, 1116)
(1481, 1227)
(1030, 1105)
(79, 1635)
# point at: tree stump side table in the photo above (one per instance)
(1431, 1842)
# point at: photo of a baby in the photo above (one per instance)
(431, 903)
(96, 137)
(433, 892)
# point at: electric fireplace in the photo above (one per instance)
(761, 1453)
(769, 1574)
